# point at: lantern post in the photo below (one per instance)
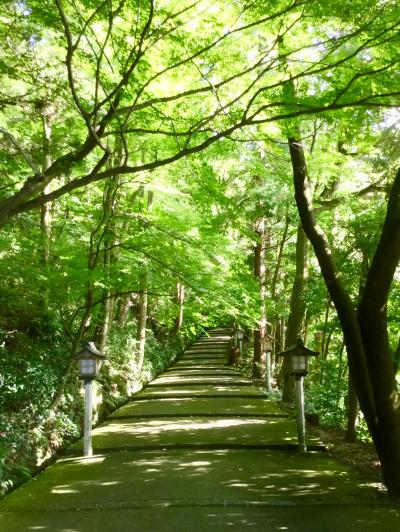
(240, 340)
(268, 351)
(90, 361)
(299, 355)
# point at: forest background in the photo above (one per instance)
(176, 166)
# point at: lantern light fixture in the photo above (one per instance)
(90, 360)
(299, 355)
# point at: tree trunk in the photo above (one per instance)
(297, 311)
(124, 305)
(352, 413)
(323, 341)
(106, 322)
(142, 321)
(261, 331)
(108, 240)
(365, 333)
(279, 259)
(142, 315)
(46, 209)
(179, 298)
(340, 375)
(352, 399)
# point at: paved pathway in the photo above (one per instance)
(198, 449)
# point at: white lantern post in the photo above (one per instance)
(268, 351)
(240, 340)
(90, 361)
(299, 354)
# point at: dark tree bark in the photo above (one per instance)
(352, 399)
(365, 331)
(372, 318)
(297, 310)
(352, 414)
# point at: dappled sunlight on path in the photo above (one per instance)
(195, 451)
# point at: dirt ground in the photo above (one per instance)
(359, 456)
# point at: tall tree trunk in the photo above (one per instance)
(352, 399)
(142, 321)
(261, 331)
(323, 341)
(278, 340)
(340, 375)
(109, 253)
(143, 304)
(279, 259)
(365, 332)
(297, 311)
(106, 321)
(45, 210)
(179, 299)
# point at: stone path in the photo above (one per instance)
(198, 449)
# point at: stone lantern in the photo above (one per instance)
(298, 355)
(90, 360)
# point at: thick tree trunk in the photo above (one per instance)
(297, 310)
(372, 318)
(352, 399)
(352, 414)
(366, 338)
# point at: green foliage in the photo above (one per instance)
(104, 122)
(326, 391)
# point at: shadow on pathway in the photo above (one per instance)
(199, 449)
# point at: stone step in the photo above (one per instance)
(196, 390)
(218, 433)
(216, 372)
(199, 380)
(199, 405)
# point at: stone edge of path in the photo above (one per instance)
(72, 452)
